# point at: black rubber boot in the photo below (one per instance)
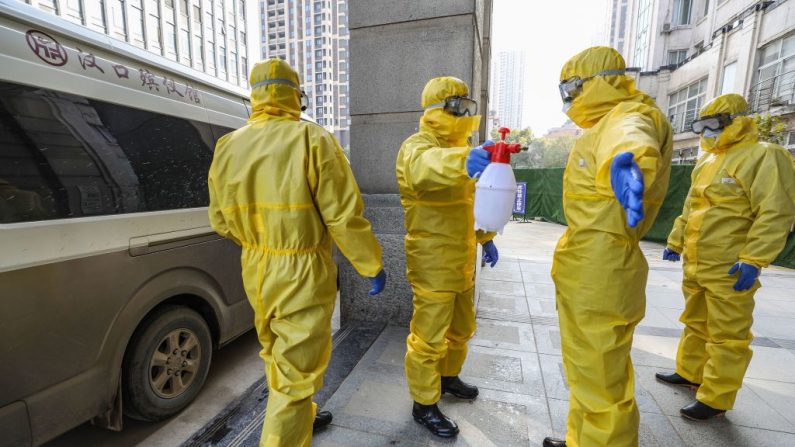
(552, 442)
(457, 388)
(676, 379)
(322, 419)
(700, 412)
(431, 417)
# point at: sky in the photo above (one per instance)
(550, 32)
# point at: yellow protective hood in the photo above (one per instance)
(274, 100)
(601, 93)
(742, 129)
(453, 130)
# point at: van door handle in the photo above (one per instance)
(173, 239)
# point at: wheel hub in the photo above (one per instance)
(174, 363)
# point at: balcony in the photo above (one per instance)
(776, 94)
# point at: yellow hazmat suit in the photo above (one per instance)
(438, 198)
(283, 190)
(599, 270)
(740, 208)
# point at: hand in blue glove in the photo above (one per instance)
(670, 255)
(377, 284)
(627, 181)
(478, 158)
(748, 275)
(490, 254)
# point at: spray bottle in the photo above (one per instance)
(495, 190)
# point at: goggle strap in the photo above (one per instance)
(286, 82)
(438, 105)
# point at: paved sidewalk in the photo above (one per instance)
(515, 359)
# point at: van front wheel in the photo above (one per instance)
(166, 364)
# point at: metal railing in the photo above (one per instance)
(778, 91)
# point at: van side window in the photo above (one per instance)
(64, 156)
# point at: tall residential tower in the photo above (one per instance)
(312, 35)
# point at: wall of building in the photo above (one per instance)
(395, 48)
(731, 32)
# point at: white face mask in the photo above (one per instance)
(566, 107)
(709, 133)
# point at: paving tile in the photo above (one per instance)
(540, 291)
(335, 436)
(505, 335)
(772, 364)
(655, 317)
(774, 327)
(780, 396)
(494, 302)
(547, 339)
(503, 370)
(722, 433)
(501, 275)
(650, 350)
(501, 287)
(542, 307)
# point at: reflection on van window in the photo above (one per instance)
(64, 156)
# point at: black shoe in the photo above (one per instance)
(552, 442)
(322, 419)
(431, 417)
(700, 412)
(676, 379)
(457, 388)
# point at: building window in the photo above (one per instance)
(675, 57)
(775, 77)
(222, 58)
(684, 104)
(233, 62)
(643, 34)
(682, 12)
(727, 83)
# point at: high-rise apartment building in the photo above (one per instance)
(691, 51)
(616, 32)
(507, 89)
(312, 35)
(208, 35)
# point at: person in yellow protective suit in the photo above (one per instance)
(614, 183)
(735, 221)
(283, 190)
(434, 169)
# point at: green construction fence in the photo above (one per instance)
(544, 199)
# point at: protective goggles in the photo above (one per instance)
(289, 83)
(457, 106)
(572, 87)
(712, 122)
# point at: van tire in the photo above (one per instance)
(151, 392)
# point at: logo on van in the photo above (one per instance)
(47, 48)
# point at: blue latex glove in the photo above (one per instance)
(748, 275)
(670, 255)
(627, 181)
(478, 158)
(490, 254)
(377, 284)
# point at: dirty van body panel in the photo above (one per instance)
(67, 323)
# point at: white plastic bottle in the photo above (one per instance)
(495, 190)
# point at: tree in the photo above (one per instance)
(771, 128)
(521, 136)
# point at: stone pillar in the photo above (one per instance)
(395, 48)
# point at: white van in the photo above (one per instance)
(114, 290)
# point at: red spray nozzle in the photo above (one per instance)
(501, 151)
